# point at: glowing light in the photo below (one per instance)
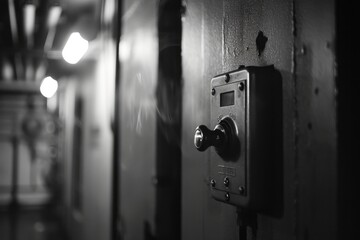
(124, 50)
(75, 48)
(48, 87)
(29, 22)
(54, 16)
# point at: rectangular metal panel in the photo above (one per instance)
(243, 175)
(218, 36)
(233, 168)
(138, 52)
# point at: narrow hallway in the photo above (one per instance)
(178, 119)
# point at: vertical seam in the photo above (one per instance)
(295, 122)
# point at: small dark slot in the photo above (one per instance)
(227, 99)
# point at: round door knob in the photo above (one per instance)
(205, 138)
(198, 138)
(224, 138)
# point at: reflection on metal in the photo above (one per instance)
(137, 106)
(109, 11)
(124, 50)
(131, 10)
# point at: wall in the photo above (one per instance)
(138, 66)
(150, 120)
(95, 86)
(218, 36)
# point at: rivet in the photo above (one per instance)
(227, 78)
(212, 182)
(226, 181)
(303, 50)
(241, 86)
(227, 196)
(241, 190)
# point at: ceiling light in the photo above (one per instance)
(29, 22)
(53, 16)
(48, 87)
(75, 48)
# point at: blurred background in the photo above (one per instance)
(99, 100)
(48, 160)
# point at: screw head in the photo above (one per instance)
(241, 86)
(303, 50)
(227, 196)
(226, 181)
(212, 182)
(227, 78)
(213, 91)
(241, 190)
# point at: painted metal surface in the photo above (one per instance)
(316, 145)
(138, 52)
(218, 36)
(168, 122)
(150, 120)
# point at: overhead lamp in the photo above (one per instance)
(29, 22)
(48, 87)
(52, 20)
(75, 48)
(53, 16)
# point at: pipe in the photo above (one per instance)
(52, 20)
(29, 23)
(14, 34)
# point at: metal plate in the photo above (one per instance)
(233, 168)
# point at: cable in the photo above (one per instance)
(242, 223)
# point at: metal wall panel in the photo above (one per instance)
(138, 54)
(218, 36)
(316, 148)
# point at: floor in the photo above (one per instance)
(30, 224)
